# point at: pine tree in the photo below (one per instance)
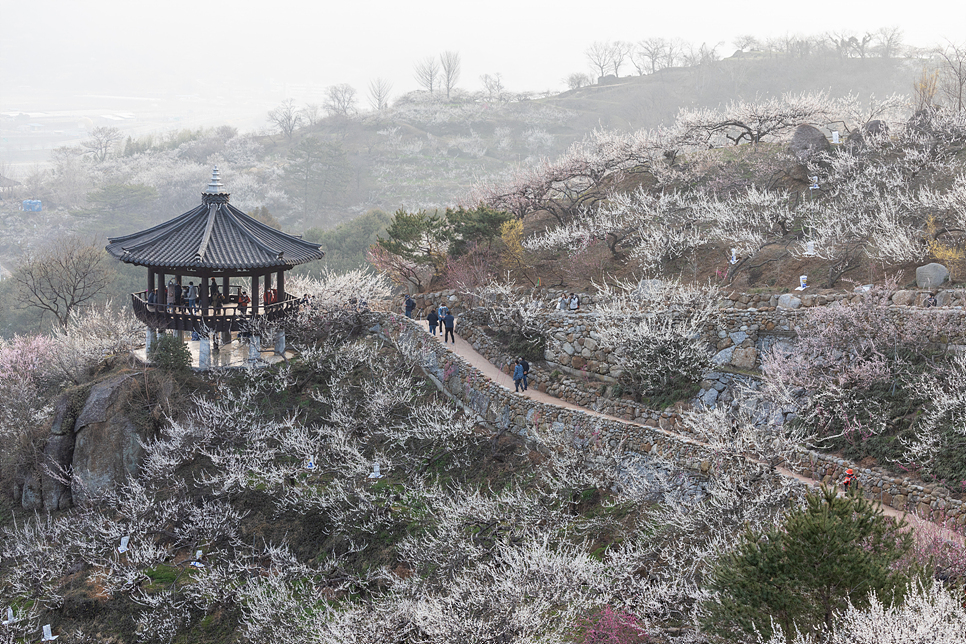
(800, 575)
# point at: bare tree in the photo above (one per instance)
(450, 63)
(311, 113)
(340, 100)
(953, 71)
(427, 74)
(101, 144)
(286, 118)
(888, 41)
(578, 80)
(620, 51)
(493, 86)
(379, 89)
(746, 43)
(62, 276)
(599, 55)
(651, 55)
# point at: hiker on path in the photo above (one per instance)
(564, 304)
(518, 377)
(850, 481)
(526, 372)
(433, 320)
(449, 323)
(410, 305)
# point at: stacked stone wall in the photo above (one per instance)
(652, 432)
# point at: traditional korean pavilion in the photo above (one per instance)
(214, 241)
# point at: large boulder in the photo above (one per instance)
(903, 298)
(788, 301)
(107, 446)
(744, 358)
(808, 141)
(931, 275)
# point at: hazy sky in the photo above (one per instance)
(270, 47)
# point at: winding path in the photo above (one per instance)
(465, 350)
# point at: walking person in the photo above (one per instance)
(526, 372)
(518, 376)
(449, 322)
(433, 320)
(410, 305)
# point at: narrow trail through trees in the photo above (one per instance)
(466, 351)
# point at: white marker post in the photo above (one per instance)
(375, 472)
(803, 282)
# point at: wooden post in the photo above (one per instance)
(225, 333)
(280, 282)
(256, 298)
(204, 294)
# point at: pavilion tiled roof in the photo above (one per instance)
(215, 236)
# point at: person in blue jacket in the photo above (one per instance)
(518, 376)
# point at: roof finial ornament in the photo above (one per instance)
(215, 187)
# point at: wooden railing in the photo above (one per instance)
(226, 319)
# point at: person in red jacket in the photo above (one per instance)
(243, 302)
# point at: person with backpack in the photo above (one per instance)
(449, 323)
(410, 305)
(851, 480)
(574, 302)
(433, 320)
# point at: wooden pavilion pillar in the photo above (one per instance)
(225, 332)
(205, 299)
(280, 284)
(256, 297)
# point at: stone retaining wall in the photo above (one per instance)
(503, 408)
(508, 410)
(929, 501)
